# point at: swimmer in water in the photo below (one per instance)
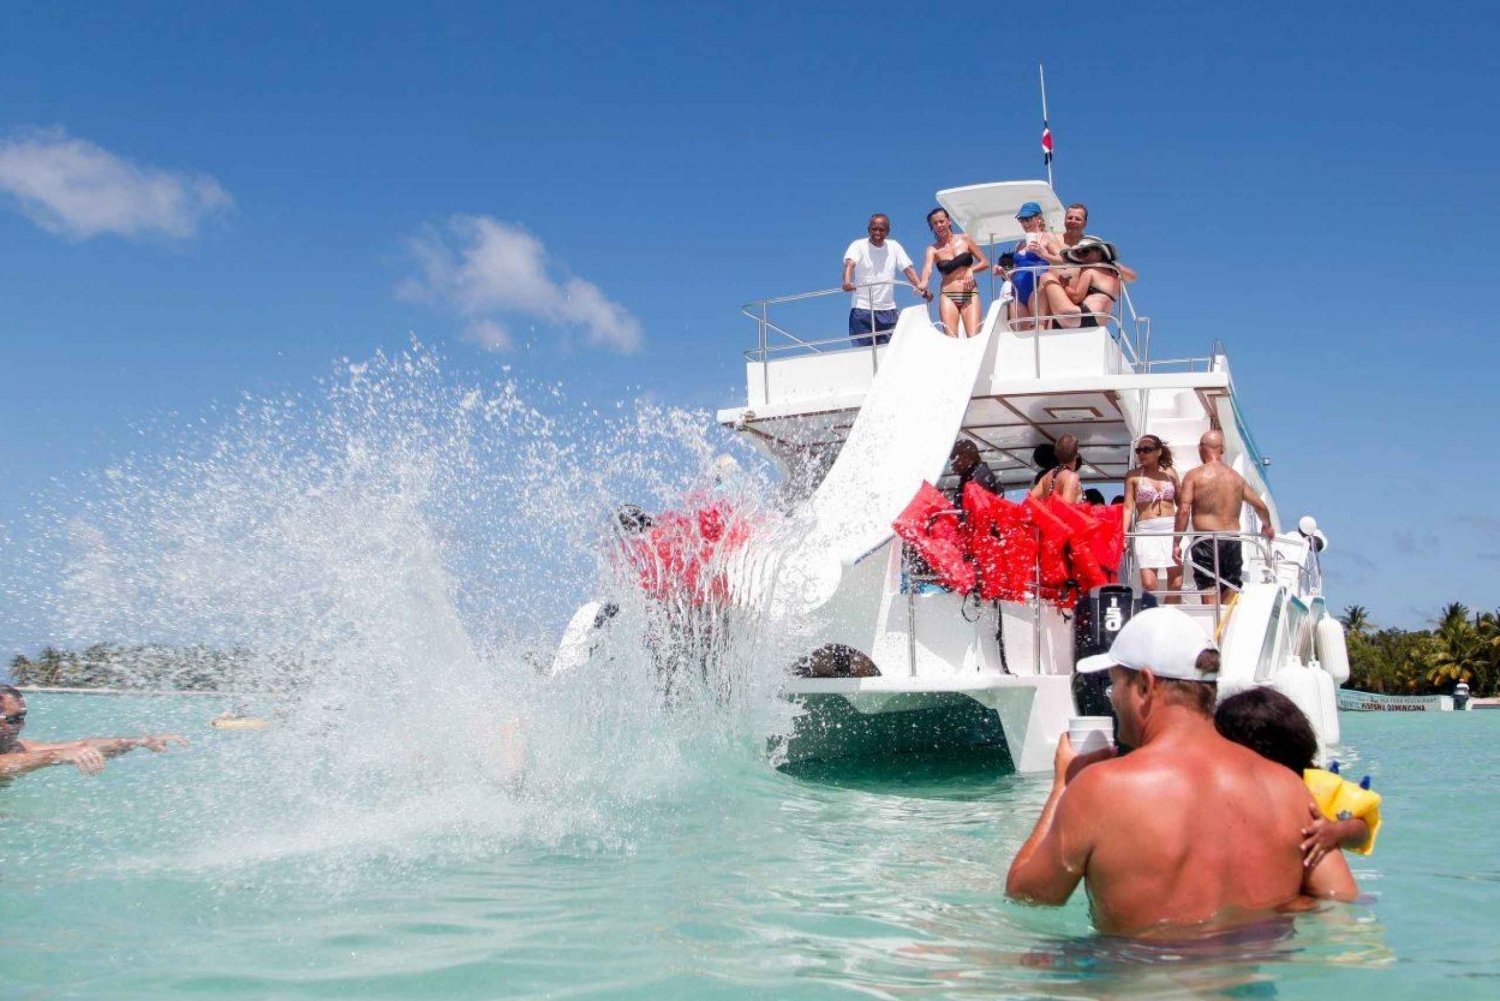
(17, 756)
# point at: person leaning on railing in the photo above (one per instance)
(870, 269)
(1089, 293)
(959, 259)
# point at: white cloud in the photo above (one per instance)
(74, 188)
(483, 268)
(489, 334)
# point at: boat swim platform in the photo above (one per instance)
(1026, 708)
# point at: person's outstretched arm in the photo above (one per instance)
(918, 285)
(113, 747)
(1261, 511)
(88, 760)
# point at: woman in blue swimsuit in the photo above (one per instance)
(958, 258)
(1031, 261)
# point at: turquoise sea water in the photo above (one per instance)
(195, 874)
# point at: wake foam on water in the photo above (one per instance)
(393, 558)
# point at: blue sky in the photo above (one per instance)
(201, 203)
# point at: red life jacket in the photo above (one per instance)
(931, 527)
(1055, 535)
(1108, 541)
(1003, 544)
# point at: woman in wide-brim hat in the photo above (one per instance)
(1087, 298)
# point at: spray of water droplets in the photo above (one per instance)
(392, 559)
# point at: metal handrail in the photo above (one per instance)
(1267, 551)
(759, 310)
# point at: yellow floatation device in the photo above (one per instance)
(238, 723)
(1340, 799)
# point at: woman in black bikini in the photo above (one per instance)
(1089, 296)
(959, 259)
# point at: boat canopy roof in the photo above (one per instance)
(987, 212)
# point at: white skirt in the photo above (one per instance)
(1155, 551)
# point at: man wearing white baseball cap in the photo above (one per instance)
(1188, 833)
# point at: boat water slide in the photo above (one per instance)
(903, 435)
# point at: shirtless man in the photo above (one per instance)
(17, 756)
(1062, 479)
(1188, 833)
(1213, 496)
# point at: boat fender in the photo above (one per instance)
(1297, 683)
(1340, 799)
(1328, 705)
(1333, 648)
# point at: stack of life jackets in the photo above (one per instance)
(675, 556)
(1003, 551)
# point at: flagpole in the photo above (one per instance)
(1046, 132)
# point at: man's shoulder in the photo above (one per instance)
(856, 249)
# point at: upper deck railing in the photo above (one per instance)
(775, 339)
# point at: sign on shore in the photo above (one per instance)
(1359, 702)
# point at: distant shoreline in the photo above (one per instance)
(38, 689)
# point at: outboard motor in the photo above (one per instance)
(1461, 696)
(1099, 617)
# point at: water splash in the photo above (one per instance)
(397, 554)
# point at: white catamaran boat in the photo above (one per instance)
(894, 666)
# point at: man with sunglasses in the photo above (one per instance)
(17, 756)
(1189, 833)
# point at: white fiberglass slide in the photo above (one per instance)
(902, 436)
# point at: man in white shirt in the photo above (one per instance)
(870, 268)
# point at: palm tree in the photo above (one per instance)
(1457, 649)
(1356, 620)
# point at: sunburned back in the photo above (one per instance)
(1216, 841)
(1218, 493)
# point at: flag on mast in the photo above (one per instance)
(1041, 75)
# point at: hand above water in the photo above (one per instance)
(86, 759)
(1067, 762)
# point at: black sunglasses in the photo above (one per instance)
(19, 719)
(1146, 449)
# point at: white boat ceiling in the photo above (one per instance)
(1006, 428)
(987, 212)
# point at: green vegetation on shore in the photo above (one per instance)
(1461, 646)
(145, 666)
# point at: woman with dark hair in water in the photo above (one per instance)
(958, 258)
(1151, 507)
